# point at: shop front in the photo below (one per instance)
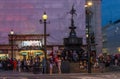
(3, 56)
(4, 51)
(28, 45)
(31, 54)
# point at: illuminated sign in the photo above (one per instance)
(31, 43)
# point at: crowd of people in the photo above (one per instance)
(18, 65)
(101, 62)
(55, 60)
(35, 65)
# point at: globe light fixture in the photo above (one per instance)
(44, 17)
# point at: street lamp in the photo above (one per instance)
(88, 18)
(44, 18)
(11, 34)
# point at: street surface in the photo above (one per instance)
(25, 75)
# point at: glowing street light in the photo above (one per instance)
(11, 34)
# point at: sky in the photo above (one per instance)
(29, 17)
(110, 11)
(22, 16)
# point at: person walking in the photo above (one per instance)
(51, 62)
(14, 65)
(59, 65)
(19, 65)
(101, 64)
(43, 65)
(1, 66)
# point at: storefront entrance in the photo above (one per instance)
(3, 56)
(30, 54)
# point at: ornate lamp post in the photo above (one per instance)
(44, 18)
(11, 34)
(88, 18)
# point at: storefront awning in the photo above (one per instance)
(24, 53)
(34, 52)
(39, 53)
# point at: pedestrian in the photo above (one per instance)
(51, 62)
(14, 65)
(101, 64)
(59, 65)
(19, 65)
(1, 64)
(81, 65)
(28, 65)
(75, 56)
(44, 65)
(96, 65)
(116, 62)
(36, 67)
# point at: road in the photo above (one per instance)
(17, 75)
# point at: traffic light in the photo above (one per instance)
(92, 38)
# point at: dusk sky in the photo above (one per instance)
(19, 14)
(22, 16)
(110, 11)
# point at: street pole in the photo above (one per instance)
(88, 14)
(11, 34)
(12, 46)
(45, 45)
(44, 17)
(89, 44)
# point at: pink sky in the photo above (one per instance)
(23, 17)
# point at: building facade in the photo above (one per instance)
(23, 17)
(111, 36)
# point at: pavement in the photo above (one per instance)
(25, 75)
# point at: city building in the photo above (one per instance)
(23, 17)
(111, 36)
